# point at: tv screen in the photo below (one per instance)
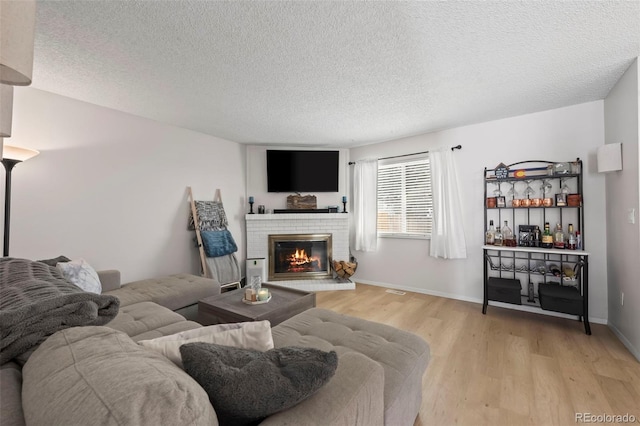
(302, 171)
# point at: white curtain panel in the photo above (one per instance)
(365, 204)
(447, 234)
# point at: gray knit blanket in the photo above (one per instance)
(36, 301)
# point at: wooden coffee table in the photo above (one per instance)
(228, 307)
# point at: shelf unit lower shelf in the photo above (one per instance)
(514, 263)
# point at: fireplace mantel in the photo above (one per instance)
(260, 226)
(299, 216)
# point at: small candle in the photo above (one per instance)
(344, 198)
(249, 293)
(251, 199)
(263, 294)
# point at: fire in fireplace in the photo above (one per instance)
(299, 256)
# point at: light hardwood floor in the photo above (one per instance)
(507, 367)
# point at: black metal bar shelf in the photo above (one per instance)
(533, 177)
(503, 265)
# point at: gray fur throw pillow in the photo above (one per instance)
(245, 385)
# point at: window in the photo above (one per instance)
(405, 207)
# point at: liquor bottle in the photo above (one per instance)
(497, 239)
(491, 234)
(558, 237)
(530, 293)
(578, 240)
(507, 235)
(536, 237)
(547, 238)
(571, 241)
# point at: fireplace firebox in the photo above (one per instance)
(299, 256)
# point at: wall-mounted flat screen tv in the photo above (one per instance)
(302, 171)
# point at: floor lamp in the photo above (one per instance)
(11, 156)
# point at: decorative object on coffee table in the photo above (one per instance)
(256, 302)
(254, 294)
(263, 294)
(229, 307)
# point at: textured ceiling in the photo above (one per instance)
(332, 73)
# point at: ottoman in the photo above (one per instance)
(403, 356)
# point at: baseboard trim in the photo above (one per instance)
(476, 300)
(419, 290)
(634, 351)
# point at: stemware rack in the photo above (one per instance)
(533, 264)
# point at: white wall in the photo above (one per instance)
(257, 180)
(623, 238)
(111, 187)
(556, 135)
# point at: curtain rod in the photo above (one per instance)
(453, 148)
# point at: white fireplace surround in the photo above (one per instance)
(260, 226)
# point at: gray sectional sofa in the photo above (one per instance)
(99, 375)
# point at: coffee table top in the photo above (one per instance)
(284, 302)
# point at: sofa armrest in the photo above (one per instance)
(110, 279)
(11, 391)
(354, 396)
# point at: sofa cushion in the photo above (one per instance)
(173, 291)
(147, 320)
(247, 335)
(403, 355)
(109, 279)
(246, 385)
(354, 397)
(81, 274)
(96, 375)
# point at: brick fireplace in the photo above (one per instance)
(260, 227)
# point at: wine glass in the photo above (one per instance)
(497, 192)
(546, 187)
(512, 194)
(564, 187)
(528, 190)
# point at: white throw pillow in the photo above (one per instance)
(246, 335)
(80, 273)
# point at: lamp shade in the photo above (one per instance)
(6, 110)
(17, 33)
(18, 154)
(610, 158)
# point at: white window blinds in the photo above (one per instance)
(405, 205)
